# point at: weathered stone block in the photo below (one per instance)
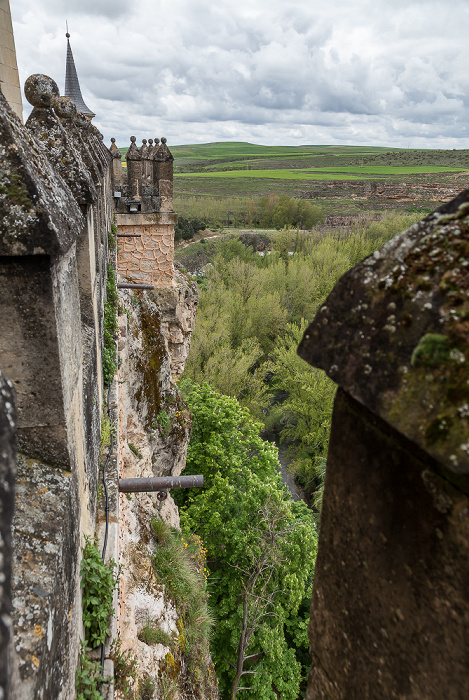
(7, 504)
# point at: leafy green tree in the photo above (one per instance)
(306, 410)
(261, 549)
(187, 228)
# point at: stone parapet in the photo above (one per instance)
(389, 611)
(56, 213)
(146, 185)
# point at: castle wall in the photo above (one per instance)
(148, 258)
(55, 218)
(7, 502)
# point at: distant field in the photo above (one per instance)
(329, 173)
(240, 170)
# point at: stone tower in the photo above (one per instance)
(9, 78)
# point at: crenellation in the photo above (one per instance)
(390, 591)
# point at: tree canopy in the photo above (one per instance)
(260, 545)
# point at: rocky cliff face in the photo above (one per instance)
(155, 329)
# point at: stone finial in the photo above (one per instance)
(65, 108)
(150, 143)
(144, 149)
(162, 152)
(83, 121)
(41, 91)
(156, 142)
(114, 150)
(133, 153)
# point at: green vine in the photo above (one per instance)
(98, 581)
(111, 237)
(110, 327)
(88, 679)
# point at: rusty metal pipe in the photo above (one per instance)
(122, 285)
(159, 483)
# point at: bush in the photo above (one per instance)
(187, 228)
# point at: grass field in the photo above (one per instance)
(330, 174)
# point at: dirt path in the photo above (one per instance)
(296, 492)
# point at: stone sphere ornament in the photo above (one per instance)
(65, 108)
(41, 91)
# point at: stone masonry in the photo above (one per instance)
(55, 214)
(148, 259)
(144, 198)
(390, 605)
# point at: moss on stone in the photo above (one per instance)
(432, 350)
(149, 362)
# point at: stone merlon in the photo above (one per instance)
(394, 335)
(37, 210)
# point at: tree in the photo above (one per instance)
(260, 548)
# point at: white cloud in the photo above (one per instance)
(368, 72)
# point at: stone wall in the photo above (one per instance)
(390, 610)
(147, 258)
(383, 191)
(7, 502)
(56, 209)
(143, 194)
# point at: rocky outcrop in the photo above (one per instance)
(390, 611)
(155, 424)
(380, 191)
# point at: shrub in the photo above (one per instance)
(125, 669)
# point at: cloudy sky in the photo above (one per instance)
(377, 72)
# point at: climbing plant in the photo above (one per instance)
(98, 582)
(110, 327)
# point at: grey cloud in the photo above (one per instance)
(367, 72)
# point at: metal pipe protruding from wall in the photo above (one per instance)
(159, 483)
(128, 235)
(122, 285)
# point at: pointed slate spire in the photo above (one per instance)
(72, 86)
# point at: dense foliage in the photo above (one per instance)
(251, 318)
(187, 228)
(260, 546)
(271, 212)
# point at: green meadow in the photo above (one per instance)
(329, 175)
